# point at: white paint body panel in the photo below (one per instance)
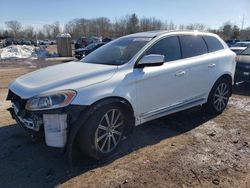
(147, 90)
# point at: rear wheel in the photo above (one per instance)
(102, 133)
(219, 96)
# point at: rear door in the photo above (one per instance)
(195, 54)
(217, 59)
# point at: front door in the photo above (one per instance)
(159, 88)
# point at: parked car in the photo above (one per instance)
(240, 46)
(94, 39)
(106, 39)
(9, 42)
(232, 42)
(82, 42)
(24, 42)
(47, 42)
(81, 52)
(34, 42)
(129, 81)
(242, 72)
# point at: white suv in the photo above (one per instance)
(131, 80)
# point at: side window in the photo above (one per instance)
(169, 47)
(213, 43)
(192, 45)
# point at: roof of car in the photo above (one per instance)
(243, 42)
(157, 33)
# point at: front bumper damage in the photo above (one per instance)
(55, 125)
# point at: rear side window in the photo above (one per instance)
(192, 45)
(169, 47)
(213, 43)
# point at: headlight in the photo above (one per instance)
(51, 100)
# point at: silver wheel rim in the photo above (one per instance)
(221, 97)
(109, 131)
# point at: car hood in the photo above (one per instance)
(71, 75)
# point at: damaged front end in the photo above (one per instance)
(53, 123)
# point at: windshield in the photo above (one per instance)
(246, 52)
(90, 46)
(117, 52)
(241, 45)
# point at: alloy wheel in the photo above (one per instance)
(109, 131)
(221, 96)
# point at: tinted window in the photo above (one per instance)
(169, 47)
(213, 43)
(192, 46)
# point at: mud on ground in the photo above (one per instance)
(186, 149)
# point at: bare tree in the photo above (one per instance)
(40, 35)
(227, 30)
(120, 27)
(133, 24)
(28, 32)
(77, 27)
(196, 26)
(47, 30)
(148, 24)
(55, 29)
(169, 25)
(245, 34)
(182, 27)
(104, 26)
(235, 32)
(14, 26)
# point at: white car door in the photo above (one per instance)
(163, 87)
(195, 54)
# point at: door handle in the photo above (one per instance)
(211, 65)
(180, 73)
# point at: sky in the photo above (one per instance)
(213, 13)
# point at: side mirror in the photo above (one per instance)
(151, 60)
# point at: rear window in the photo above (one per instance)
(241, 44)
(192, 45)
(246, 52)
(213, 43)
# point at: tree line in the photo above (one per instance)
(104, 27)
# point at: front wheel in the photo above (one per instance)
(219, 96)
(102, 133)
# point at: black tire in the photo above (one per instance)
(90, 132)
(217, 101)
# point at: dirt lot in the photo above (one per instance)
(186, 149)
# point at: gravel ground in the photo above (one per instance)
(186, 149)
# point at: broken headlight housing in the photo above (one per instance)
(50, 100)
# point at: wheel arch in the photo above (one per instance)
(115, 99)
(88, 112)
(124, 103)
(209, 105)
(227, 77)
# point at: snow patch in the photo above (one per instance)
(242, 104)
(24, 52)
(64, 35)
